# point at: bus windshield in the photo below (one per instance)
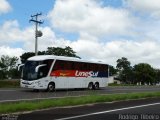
(29, 69)
(29, 72)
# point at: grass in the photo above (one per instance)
(9, 83)
(71, 101)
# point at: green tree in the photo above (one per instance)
(144, 73)
(125, 70)
(112, 71)
(67, 51)
(2, 73)
(6, 65)
(157, 75)
(123, 64)
(26, 55)
(8, 62)
(14, 73)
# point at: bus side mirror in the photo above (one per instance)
(37, 68)
(19, 66)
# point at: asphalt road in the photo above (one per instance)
(144, 109)
(23, 94)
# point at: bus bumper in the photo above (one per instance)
(32, 85)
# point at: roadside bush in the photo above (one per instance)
(9, 83)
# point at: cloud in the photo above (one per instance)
(145, 51)
(151, 7)
(6, 50)
(92, 22)
(90, 17)
(44, 42)
(11, 33)
(4, 6)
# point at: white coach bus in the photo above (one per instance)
(57, 72)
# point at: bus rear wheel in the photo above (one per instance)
(90, 86)
(51, 87)
(96, 86)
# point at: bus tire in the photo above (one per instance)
(35, 90)
(51, 87)
(90, 86)
(96, 86)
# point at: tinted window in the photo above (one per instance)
(43, 71)
(73, 65)
(63, 65)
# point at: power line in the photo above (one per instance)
(37, 33)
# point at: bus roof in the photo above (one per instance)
(46, 57)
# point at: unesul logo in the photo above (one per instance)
(86, 74)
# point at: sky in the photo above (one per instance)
(97, 30)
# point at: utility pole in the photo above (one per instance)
(37, 33)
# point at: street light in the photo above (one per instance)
(37, 32)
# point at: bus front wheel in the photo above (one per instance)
(51, 87)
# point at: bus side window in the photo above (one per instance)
(72, 65)
(61, 65)
(92, 67)
(102, 67)
(56, 65)
(49, 63)
(43, 71)
(106, 68)
(85, 66)
(67, 65)
(81, 66)
(76, 66)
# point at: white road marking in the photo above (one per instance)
(108, 111)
